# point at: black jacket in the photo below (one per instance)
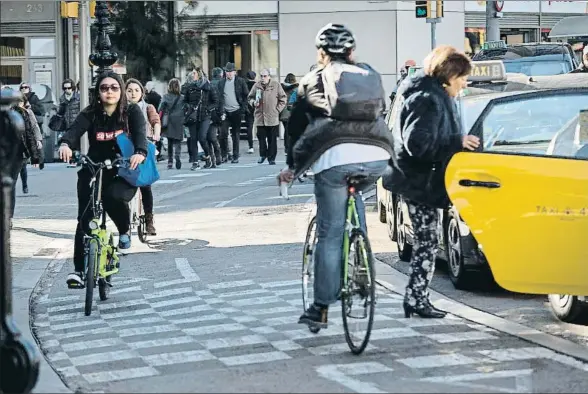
(311, 133)
(241, 91)
(102, 130)
(28, 145)
(36, 106)
(203, 90)
(69, 109)
(427, 134)
(153, 98)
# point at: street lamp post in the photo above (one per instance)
(19, 359)
(104, 57)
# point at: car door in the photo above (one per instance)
(526, 203)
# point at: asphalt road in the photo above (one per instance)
(211, 305)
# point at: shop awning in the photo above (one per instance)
(573, 26)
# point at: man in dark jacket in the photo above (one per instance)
(69, 108)
(336, 150)
(233, 96)
(584, 66)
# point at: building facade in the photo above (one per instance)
(522, 21)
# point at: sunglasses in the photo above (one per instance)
(264, 76)
(24, 87)
(106, 88)
(67, 88)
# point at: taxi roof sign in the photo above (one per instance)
(494, 44)
(488, 71)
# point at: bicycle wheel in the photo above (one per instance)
(308, 257)
(91, 263)
(142, 224)
(104, 283)
(361, 282)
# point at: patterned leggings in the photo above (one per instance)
(426, 244)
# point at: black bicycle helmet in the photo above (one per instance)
(335, 39)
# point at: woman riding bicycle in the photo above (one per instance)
(334, 153)
(136, 95)
(107, 116)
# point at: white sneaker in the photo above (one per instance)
(250, 151)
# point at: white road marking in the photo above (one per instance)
(256, 358)
(225, 203)
(166, 293)
(185, 311)
(523, 380)
(123, 374)
(144, 320)
(461, 337)
(186, 270)
(193, 175)
(221, 343)
(97, 358)
(167, 181)
(129, 332)
(332, 373)
(217, 328)
(230, 285)
(176, 301)
(160, 342)
(190, 356)
(290, 196)
(85, 344)
(440, 360)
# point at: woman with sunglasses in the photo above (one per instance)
(136, 95)
(107, 116)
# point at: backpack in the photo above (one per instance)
(353, 92)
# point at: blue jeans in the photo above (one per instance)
(330, 189)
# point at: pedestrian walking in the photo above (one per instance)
(171, 111)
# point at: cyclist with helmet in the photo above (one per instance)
(333, 153)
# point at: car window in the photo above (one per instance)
(470, 110)
(548, 125)
(538, 68)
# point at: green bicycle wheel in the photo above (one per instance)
(361, 282)
(91, 263)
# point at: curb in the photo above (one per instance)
(395, 281)
(49, 381)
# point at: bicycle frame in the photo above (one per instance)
(98, 232)
(352, 222)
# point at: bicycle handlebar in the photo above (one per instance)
(85, 160)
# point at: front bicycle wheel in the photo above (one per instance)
(91, 267)
(358, 296)
(142, 223)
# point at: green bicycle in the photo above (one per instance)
(100, 258)
(358, 273)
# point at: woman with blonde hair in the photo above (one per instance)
(427, 135)
(136, 95)
(171, 111)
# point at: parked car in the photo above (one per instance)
(533, 59)
(459, 245)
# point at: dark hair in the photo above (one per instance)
(173, 86)
(121, 107)
(290, 78)
(70, 81)
(136, 82)
(446, 62)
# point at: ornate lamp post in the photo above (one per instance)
(104, 58)
(19, 359)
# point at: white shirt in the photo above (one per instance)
(343, 154)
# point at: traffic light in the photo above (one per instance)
(423, 9)
(440, 9)
(70, 9)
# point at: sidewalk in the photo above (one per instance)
(395, 281)
(29, 265)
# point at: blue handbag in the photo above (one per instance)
(146, 173)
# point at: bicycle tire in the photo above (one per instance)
(356, 237)
(91, 261)
(142, 225)
(308, 262)
(103, 283)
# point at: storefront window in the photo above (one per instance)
(42, 47)
(266, 55)
(12, 46)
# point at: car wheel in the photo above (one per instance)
(568, 308)
(404, 248)
(391, 218)
(457, 272)
(381, 209)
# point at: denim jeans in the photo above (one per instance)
(330, 189)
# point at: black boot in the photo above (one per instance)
(315, 316)
(425, 311)
(150, 228)
(207, 162)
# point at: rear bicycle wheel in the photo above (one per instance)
(90, 280)
(358, 297)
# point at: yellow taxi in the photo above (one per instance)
(520, 203)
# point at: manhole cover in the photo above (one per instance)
(46, 252)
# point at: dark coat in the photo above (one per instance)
(175, 126)
(201, 92)
(28, 148)
(311, 133)
(153, 98)
(241, 91)
(426, 136)
(69, 109)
